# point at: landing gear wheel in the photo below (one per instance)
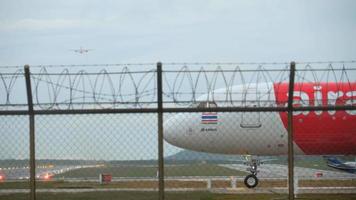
(251, 181)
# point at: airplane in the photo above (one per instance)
(81, 50)
(333, 162)
(265, 133)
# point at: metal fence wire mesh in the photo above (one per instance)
(123, 146)
(179, 130)
(14, 153)
(201, 158)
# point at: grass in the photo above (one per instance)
(151, 171)
(169, 196)
(123, 184)
(170, 170)
(202, 170)
(314, 164)
(173, 184)
(328, 183)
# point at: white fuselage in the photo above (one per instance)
(261, 133)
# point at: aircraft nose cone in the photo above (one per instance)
(170, 131)
(178, 130)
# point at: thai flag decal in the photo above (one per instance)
(209, 118)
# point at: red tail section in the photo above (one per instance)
(322, 132)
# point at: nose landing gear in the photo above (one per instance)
(251, 180)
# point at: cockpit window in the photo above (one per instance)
(207, 104)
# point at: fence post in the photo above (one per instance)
(160, 133)
(290, 132)
(32, 134)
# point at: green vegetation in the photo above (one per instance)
(117, 171)
(170, 196)
(153, 184)
(314, 164)
(25, 163)
(151, 171)
(55, 185)
(201, 170)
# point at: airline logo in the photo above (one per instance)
(318, 94)
(321, 132)
(209, 118)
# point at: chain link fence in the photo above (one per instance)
(188, 131)
(14, 151)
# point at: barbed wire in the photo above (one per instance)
(81, 65)
(127, 88)
(179, 64)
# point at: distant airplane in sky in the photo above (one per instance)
(81, 50)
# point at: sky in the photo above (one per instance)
(44, 31)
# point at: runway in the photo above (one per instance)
(20, 173)
(273, 180)
(265, 171)
(281, 171)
